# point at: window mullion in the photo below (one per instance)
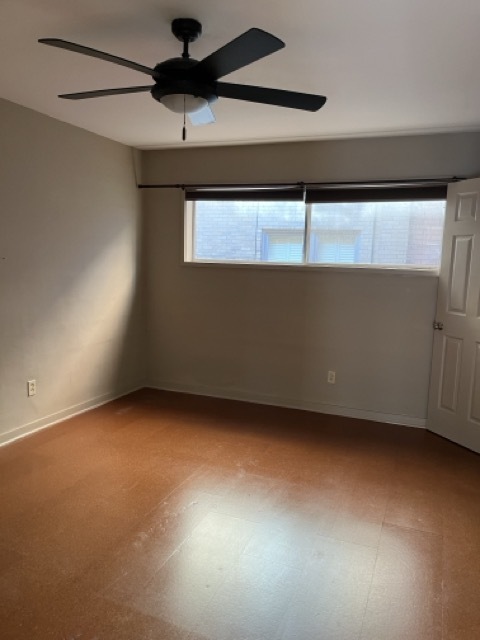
(194, 229)
(308, 226)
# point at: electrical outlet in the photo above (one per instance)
(31, 387)
(331, 377)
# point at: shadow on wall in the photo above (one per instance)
(72, 318)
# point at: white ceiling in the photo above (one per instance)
(386, 66)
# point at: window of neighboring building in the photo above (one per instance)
(338, 246)
(282, 246)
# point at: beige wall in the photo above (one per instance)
(272, 335)
(69, 247)
(351, 159)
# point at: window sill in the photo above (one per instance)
(322, 268)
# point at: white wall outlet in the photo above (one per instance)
(331, 377)
(31, 387)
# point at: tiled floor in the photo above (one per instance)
(164, 516)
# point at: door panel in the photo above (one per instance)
(459, 274)
(450, 375)
(475, 395)
(466, 206)
(454, 400)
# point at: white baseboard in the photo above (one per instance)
(47, 421)
(213, 392)
(290, 403)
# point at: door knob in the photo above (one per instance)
(438, 326)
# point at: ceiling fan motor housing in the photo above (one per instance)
(173, 77)
(188, 87)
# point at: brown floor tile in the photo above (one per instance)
(416, 508)
(461, 565)
(405, 599)
(332, 593)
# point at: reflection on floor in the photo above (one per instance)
(166, 516)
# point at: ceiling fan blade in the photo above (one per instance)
(247, 48)
(278, 97)
(100, 93)
(204, 116)
(94, 53)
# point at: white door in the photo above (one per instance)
(454, 400)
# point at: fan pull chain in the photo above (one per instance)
(184, 130)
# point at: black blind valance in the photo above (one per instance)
(368, 192)
(372, 193)
(254, 194)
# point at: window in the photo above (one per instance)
(357, 227)
(334, 247)
(282, 246)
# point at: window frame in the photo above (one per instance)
(188, 259)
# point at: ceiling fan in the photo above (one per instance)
(188, 86)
